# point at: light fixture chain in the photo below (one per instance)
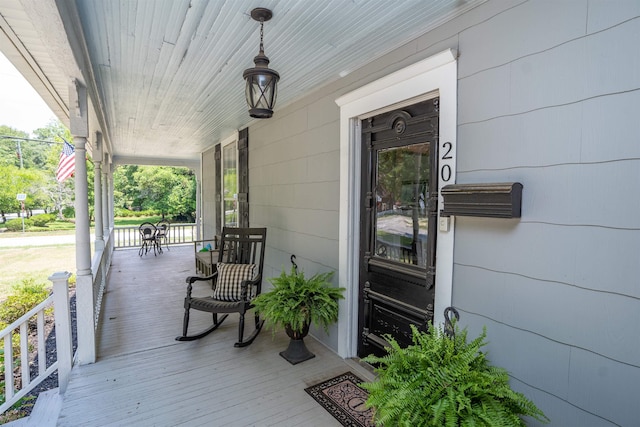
(261, 81)
(261, 34)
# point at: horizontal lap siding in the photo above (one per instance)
(583, 257)
(565, 134)
(548, 96)
(545, 308)
(294, 189)
(294, 162)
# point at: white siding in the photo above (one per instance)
(548, 95)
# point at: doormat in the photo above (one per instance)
(344, 399)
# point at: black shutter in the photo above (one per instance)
(218, 203)
(243, 178)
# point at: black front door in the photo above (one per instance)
(398, 224)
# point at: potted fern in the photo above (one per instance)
(294, 303)
(443, 380)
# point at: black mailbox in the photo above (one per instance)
(494, 200)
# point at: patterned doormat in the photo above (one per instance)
(342, 397)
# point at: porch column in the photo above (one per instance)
(105, 195)
(198, 174)
(97, 190)
(110, 187)
(79, 127)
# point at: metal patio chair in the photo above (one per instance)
(148, 238)
(236, 280)
(162, 234)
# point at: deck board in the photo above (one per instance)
(144, 377)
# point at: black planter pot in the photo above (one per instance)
(297, 352)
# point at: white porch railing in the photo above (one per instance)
(120, 237)
(60, 301)
(100, 270)
(129, 236)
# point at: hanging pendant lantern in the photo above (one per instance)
(261, 81)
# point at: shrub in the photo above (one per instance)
(69, 212)
(42, 219)
(121, 212)
(61, 225)
(27, 295)
(16, 224)
(125, 213)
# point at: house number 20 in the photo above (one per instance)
(445, 167)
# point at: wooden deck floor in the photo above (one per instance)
(144, 377)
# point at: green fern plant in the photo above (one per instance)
(296, 301)
(444, 381)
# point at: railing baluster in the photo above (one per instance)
(24, 355)
(42, 357)
(9, 384)
(129, 236)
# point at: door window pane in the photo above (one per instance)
(402, 187)
(230, 185)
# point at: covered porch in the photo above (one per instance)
(539, 93)
(143, 376)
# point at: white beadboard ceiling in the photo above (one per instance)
(167, 74)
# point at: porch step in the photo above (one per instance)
(45, 412)
(22, 422)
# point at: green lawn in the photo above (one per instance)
(39, 263)
(18, 263)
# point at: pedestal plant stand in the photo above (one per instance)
(297, 351)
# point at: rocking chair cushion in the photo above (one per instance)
(230, 276)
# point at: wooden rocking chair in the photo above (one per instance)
(236, 280)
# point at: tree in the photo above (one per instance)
(22, 165)
(53, 131)
(183, 196)
(18, 181)
(169, 190)
(9, 153)
(61, 195)
(40, 155)
(125, 187)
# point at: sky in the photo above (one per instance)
(20, 105)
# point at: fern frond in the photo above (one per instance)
(443, 381)
(296, 300)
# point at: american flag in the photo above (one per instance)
(67, 162)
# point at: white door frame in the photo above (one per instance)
(434, 75)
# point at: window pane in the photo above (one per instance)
(230, 213)
(230, 185)
(402, 187)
